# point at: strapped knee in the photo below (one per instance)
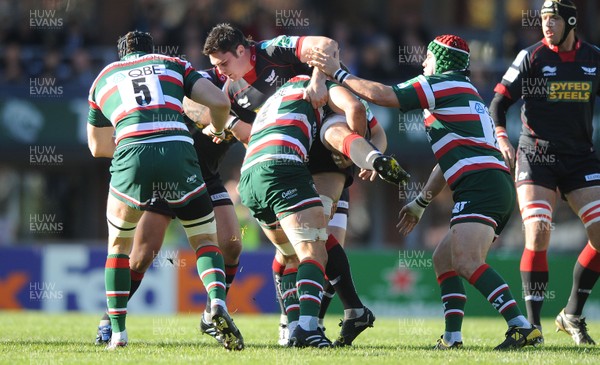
(203, 225)
(300, 234)
(327, 206)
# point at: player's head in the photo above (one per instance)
(446, 53)
(226, 46)
(135, 41)
(559, 17)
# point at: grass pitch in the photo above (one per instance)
(40, 338)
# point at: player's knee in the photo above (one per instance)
(141, 263)
(231, 248)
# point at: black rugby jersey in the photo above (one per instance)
(558, 90)
(274, 62)
(209, 153)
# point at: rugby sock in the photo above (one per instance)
(117, 280)
(454, 298)
(309, 283)
(534, 278)
(338, 272)
(360, 151)
(328, 294)
(585, 275)
(230, 271)
(494, 288)
(289, 294)
(278, 270)
(136, 280)
(209, 262)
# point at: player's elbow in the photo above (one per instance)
(95, 149)
(221, 104)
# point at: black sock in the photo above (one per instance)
(534, 289)
(328, 294)
(583, 282)
(230, 271)
(338, 272)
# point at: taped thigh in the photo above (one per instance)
(118, 228)
(537, 211)
(203, 225)
(590, 213)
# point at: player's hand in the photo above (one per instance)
(316, 94)
(408, 220)
(508, 152)
(340, 160)
(216, 138)
(328, 64)
(367, 174)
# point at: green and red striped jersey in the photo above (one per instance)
(285, 126)
(141, 96)
(459, 126)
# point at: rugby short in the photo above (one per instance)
(273, 189)
(537, 164)
(486, 197)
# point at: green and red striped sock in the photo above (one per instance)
(289, 294)
(496, 290)
(117, 282)
(211, 268)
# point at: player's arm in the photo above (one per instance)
(498, 109)
(101, 141)
(507, 92)
(316, 92)
(412, 212)
(341, 101)
(100, 131)
(205, 93)
(372, 91)
(200, 115)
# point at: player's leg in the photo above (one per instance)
(198, 220)
(307, 233)
(147, 242)
(470, 242)
(229, 240)
(586, 203)
(477, 218)
(337, 227)
(122, 221)
(285, 287)
(536, 204)
(357, 317)
(337, 135)
(453, 295)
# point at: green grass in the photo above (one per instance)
(39, 338)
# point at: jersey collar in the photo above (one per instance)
(133, 55)
(250, 76)
(568, 56)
